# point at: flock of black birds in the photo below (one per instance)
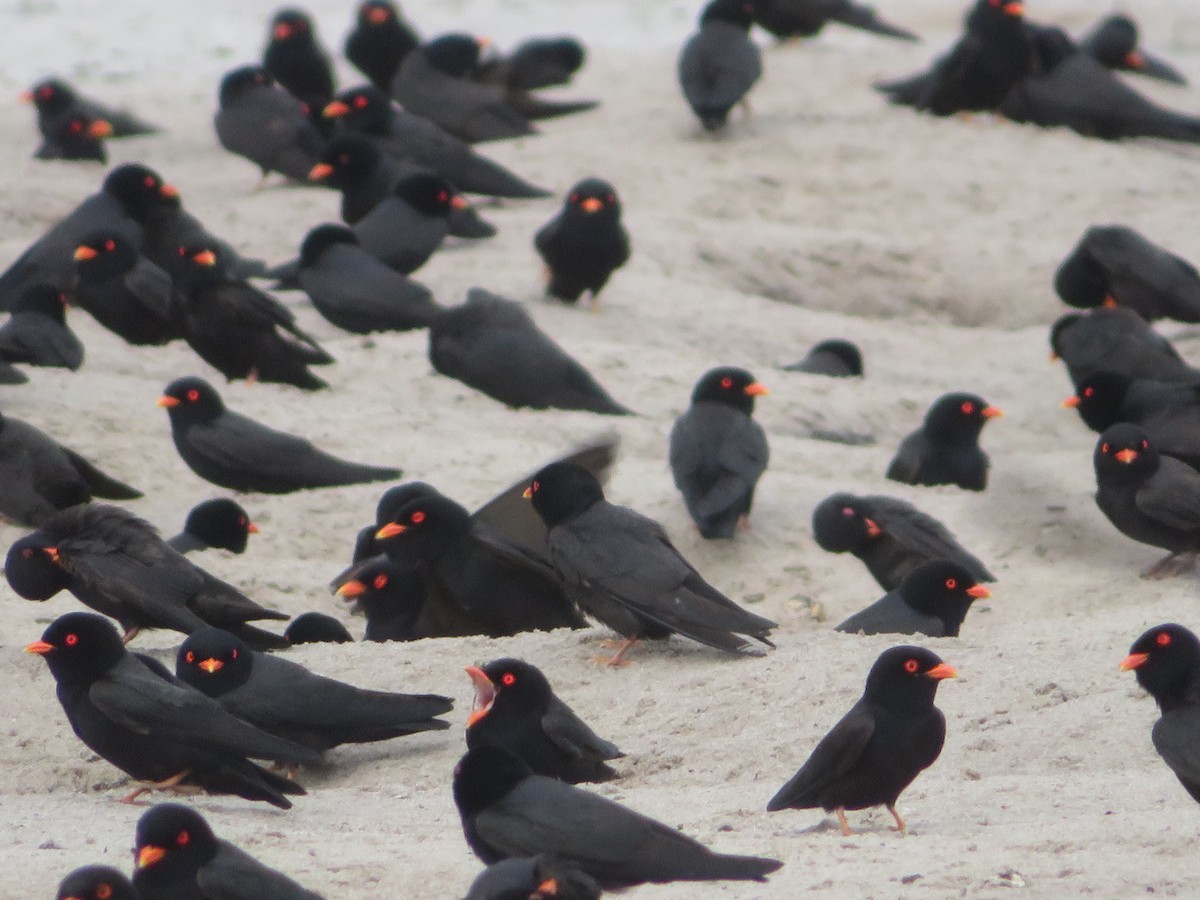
(551, 551)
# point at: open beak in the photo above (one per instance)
(873, 529)
(205, 258)
(941, 670)
(1070, 403)
(1014, 8)
(84, 253)
(391, 529)
(334, 109)
(41, 648)
(1132, 661)
(167, 402)
(211, 666)
(485, 694)
(149, 855)
(351, 589)
(756, 389)
(99, 129)
(1126, 456)
(979, 592)
(991, 412)
(320, 172)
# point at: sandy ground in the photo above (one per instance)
(930, 243)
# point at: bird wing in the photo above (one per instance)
(906, 464)
(1129, 256)
(153, 288)
(572, 735)
(718, 66)
(890, 614)
(920, 532)
(237, 442)
(233, 874)
(1171, 495)
(1176, 737)
(741, 454)
(835, 755)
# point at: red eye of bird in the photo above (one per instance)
(509, 679)
(149, 182)
(417, 518)
(967, 408)
(46, 93)
(193, 395)
(380, 582)
(190, 656)
(951, 584)
(26, 553)
(1087, 392)
(847, 512)
(104, 891)
(727, 383)
(242, 521)
(911, 666)
(574, 198)
(360, 101)
(183, 839)
(110, 245)
(76, 126)
(611, 199)
(71, 640)
(1163, 639)
(535, 487)
(233, 654)
(1145, 444)
(443, 196)
(1104, 448)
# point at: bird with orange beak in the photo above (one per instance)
(585, 243)
(945, 449)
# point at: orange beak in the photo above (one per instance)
(1126, 456)
(41, 648)
(167, 402)
(549, 887)
(205, 258)
(320, 172)
(99, 129)
(941, 670)
(377, 15)
(458, 201)
(391, 529)
(1054, 357)
(168, 190)
(1135, 60)
(1132, 661)
(351, 589)
(212, 666)
(282, 32)
(149, 855)
(251, 528)
(485, 694)
(26, 97)
(483, 42)
(1014, 8)
(84, 253)
(52, 552)
(979, 592)
(991, 412)
(756, 389)
(1070, 403)
(873, 529)
(1110, 302)
(333, 110)
(527, 493)
(591, 205)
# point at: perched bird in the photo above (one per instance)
(123, 291)
(531, 878)
(379, 42)
(933, 600)
(295, 59)
(1113, 265)
(1166, 663)
(241, 331)
(55, 100)
(117, 564)
(585, 243)
(892, 537)
(177, 856)
(507, 811)
(535, 63)
(268, 126)
(285, 699)
(39, 476)
(515, 708)
(392, 597)
(235, 452)
(493, 345)
(37, 332)
(129, 710)
(96, 883)
(720, 64)
(1114, 42)
(215, 524)
(718, 452)
(806, 18)
(945, 449)
(78, 137)
(621, 567)
(316, 628)
(1151, 498)
(1116, 339)
(836, 358)
(888, 737)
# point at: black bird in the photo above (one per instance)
(379, 42)
(493, 345)
(837, 358)
(535, 63)
(55, 100)
(720, 64)
(117, 564)
(718, 452)
(1166, 662)
(355, 291)
(806, 18)
(178, 856)
(220, 524)
(261, 121)
(354, 165)
(392, 597)
(123, 291)
(129, 710)
(886, 740)
(945, 449)
(235, 452)
(1119, 340)
(531, 878)
(287, 700)
(585, 243)
(1114, 42)
(933, 600)
(515, 708)
(96, 883)
(316, 628)
(78, 138)
(507, 811)
(621, 567)
(1113, 265)
(295, 59)
(892, 537)
(241, 331)
(169, 227)
(37, 332)
(39, 476)
(1151, 498)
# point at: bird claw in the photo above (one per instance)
(1171, 566)
(616, 660)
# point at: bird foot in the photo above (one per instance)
(130, 634)
(841, 816)
(170, 784)
(252, 377)
(899, 826)
(1170, 566)
(289, 770)
(613, 661)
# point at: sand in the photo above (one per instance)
(930, 243)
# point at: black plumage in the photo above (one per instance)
(836, 358)
(806, 18)
(945, 449)
(55, 101)
(1119, 340)
(379, 42)
(169, 227)
(585, 243)
(296, 59)
(719, 64)
(392, 597)
(37, 333)
(933, 599)
(262, 122)
(123, 291)
(215, 524)
(78, 138)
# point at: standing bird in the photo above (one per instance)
(1116, 339)
(1113, 41)
(1166, 662)
(123, 291)
(37, 332)
(892, 537)
(220, 524)
(96, 883)
(585, 243)
(235, 452)
(932, 600)
(130, 711)
(836, 358)
(295, 59)
(515, 708)
(379, 42)
(945, 449)
(265, 124)
(507, 811)
(892, 734)
(536, 878)
(78, 138)
(720, 64)
(621, 567)
(177, 856)
(718, 452)
(55, 100)
(806, 18)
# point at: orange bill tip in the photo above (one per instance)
(251, 528)
(167, 402)
(320, 172)
(26, 96)
(527, 493)
(205, 258)
(333, 110)
(211, 666)
(1054, 357)
(52, 552)
(591, 205)
(377, 15)
(84, 253)
(549, 886)
(458, 201)
(1133, 661)
(1014, 8)
(1135, 60)
(991, 412)
(942, 670)
(41, 648)
(149, 855)
(1126, 456)
(100, 129)
(873, 529)
(391, 529)
(282, 32)
(169, 190)
(757, 389)
(351, 589)
(1110, 302)
(1070, 403)
(979, 592)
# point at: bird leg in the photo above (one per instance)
(252, 377)
(618, 658)
(130, 633)
(841, 814)
(290, 770)
(1171, 565)
(172, 783)
(900, 826)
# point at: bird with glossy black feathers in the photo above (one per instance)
(1152, 498)
(78, 138)
(123, 291)
(533, 878)
(215, 524)
(892, 734)
(177, 857)
(516, 708)
(380, 40)
(133, 713)
(1119, 340)
(508, 811)
(262, 122)
(1166, 663)
(1113, 41)
(239, 330)
(296, 59)
(392, 598)
(96, 883)
(493, 345)
(235, 452)
(892, 537)
(806, 18)
(945, 449)
(719, 64)
(39, 476)
(836, 358)
(37, 333)
(718, 452)
(316, 628)
(933, 599)
(621, 567)
(285, 699)
(585, 243)
(55, 100)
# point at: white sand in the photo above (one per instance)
(931, 243)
